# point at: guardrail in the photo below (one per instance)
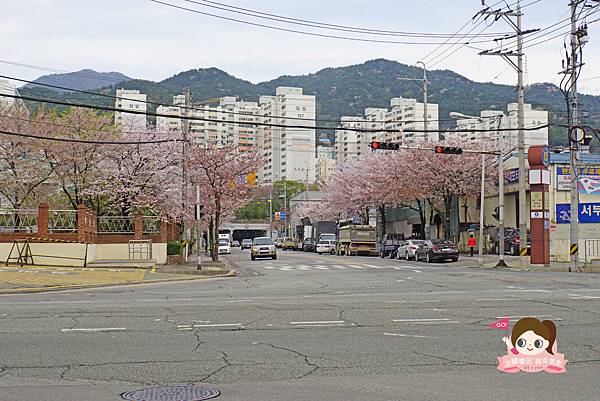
(18, 220)
(115, 225)
(150, 225)
(64, 221)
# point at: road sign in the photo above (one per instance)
(282, 215)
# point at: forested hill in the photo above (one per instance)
(349, 90)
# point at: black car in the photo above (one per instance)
(308, 245)
(437, 250)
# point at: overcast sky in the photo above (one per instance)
(146, 40)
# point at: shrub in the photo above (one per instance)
(173, 248)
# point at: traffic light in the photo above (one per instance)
(376, 145)
(448, 150)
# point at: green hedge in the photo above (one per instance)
(173, 248)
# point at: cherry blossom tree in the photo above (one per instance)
(23, 175)
(221, 175)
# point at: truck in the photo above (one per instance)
(357, 239)
(324, 230)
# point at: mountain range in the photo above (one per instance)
(340, 91)
(81, 80)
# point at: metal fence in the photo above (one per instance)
(64, 221)
(116, 225)
(151, 225)
(18, 220)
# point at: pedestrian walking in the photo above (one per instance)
(471, 243)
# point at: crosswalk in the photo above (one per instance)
(348, 267)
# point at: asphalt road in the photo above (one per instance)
(303, 327)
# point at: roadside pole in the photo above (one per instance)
(501, 262)
(198, 230)
(481, 214)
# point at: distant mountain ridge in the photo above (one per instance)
(347, 91)
(86, 79)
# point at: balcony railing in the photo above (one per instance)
(151, 225)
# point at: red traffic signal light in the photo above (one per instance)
(448, 150)
(384, 145)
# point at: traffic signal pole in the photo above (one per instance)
(501, 262)
(199, 231)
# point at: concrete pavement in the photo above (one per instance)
(381, 330)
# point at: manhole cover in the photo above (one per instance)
(171, 393)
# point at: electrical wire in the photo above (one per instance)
(89, 141)
(315, 34)
(314, 24)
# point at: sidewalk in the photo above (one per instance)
(27, 279)
(513, 263)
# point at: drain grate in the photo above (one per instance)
(171, 393)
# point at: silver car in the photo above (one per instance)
(408, 248)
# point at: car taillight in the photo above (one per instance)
(436, 248)
(414, 247)
(517, 239)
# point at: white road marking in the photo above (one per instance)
(218, 325)
(576, 296)
(320, 267)
(338, 267)
(419, 320)
(319, 325)
(303, 268)
(418, 271)
(95, 330)
(239, 300)
(269, 267)
(497, 299)
(320, 322)
(286, 269)
(425, 302)
(405, 335)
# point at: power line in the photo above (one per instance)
(56, 70)
(321, 35)
(314, 24)
(113, 109)
(194, 108)
(88, 141)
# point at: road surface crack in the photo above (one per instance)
(341, 317)
(314, 366)
(228, 364)
(453, 361)
(199, 342)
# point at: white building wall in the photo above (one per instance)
(131, 100)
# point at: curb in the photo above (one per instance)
(231, 273)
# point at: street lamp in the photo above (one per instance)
(501, 262)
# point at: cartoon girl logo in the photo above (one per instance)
(531, 347)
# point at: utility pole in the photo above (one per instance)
(425, 96)
(186, 135)
(481, 212)
(271, 212)
(287, 217)
(573, 64)
(523, 217)
(501, 262)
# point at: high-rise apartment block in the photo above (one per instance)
(396, 125)
(130, 100)
(288, 148)
(488, 123)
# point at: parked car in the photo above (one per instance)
(512, 241)
(324, 246)
(263, 247)
(437, 250)
(388, 245)
(308, 245)
(246, 243)
(278, 242)
(224, 246)
(288, 244)
(235, 244)
(408, 248)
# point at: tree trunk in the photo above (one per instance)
(215, 253)
(421, 210)
(383, 220)
(211, 234)
(447, 216)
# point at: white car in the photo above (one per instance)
(224, 246)
(326, 247)
(408, 249)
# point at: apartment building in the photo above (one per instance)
(488, 121)
(288, 148)
(131, 100)
(408, 114)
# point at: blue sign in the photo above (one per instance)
(282, 216)
(588, 213)
(511, 176)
